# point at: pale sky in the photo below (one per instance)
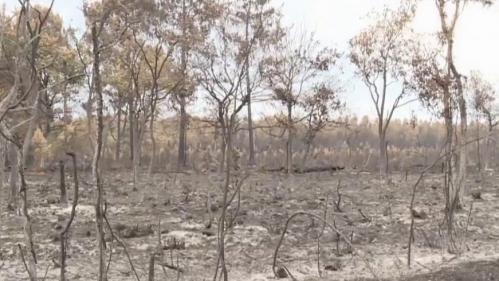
(335, 22)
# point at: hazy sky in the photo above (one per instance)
(334, 22)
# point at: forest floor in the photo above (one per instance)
(373, 215)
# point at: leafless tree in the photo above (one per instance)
(24, 96)
(379, 53)
(155, 58)
(296, 65)
(193, 19)
(261, 23)
(438, 82)
(98, 17)
(318, 107)
(64, 233)
(221, 71)
(483, 98)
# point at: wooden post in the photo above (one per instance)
(151, 268)
(62, 185)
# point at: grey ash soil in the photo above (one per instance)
(471, 271)
(379, 234)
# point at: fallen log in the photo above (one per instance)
(306, 170)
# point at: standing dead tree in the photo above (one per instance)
(293, 71)
(84, 57)
(221, 72)
(434, 76)
(435, 89)
(145, 72)
(62, 183)
(64, 233)
(192, 20)
(483, 97)
(262, 22)
(19, 111)
(457, 177)
(98, 148)
(138, 103)
(156, 57)
(423, 173)
(98, 17)
(318, 106)
(378, 53)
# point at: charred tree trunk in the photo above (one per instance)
(141, 131)
(13, 177)
(135, 151)
(487, 152)
(251, 141)
(153, 139)
(62, 183)
(223, 150)
(182, 98)
(289, 143)
(228, 135)
(99, 212)
(3, 154)
(131, 122)
(449, 168)
(308, 145)
(455, 160)
(151, 268)
(463, 138)
(182, 136)
(33, 124)
(27, 226)
(89, 105)
(48, 107)
(478, 150)
(383, 159)
(117, 151)
(64, 233)
(65, 111)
